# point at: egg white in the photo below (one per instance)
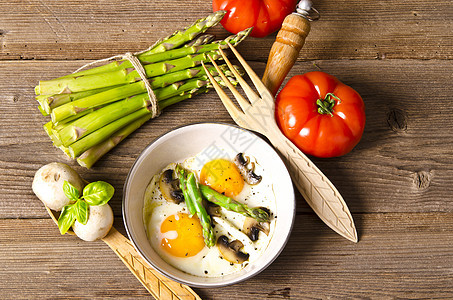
(209, 262)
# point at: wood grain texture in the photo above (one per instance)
(315, 264)
(405, 153)
(77, 29)
(397, 182)
(157, 284)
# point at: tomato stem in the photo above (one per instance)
(325, 106)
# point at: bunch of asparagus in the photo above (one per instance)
(95, 109)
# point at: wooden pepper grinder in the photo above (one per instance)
(287, 45)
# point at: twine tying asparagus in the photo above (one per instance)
(93, 110)
(155, 111)
(135, 62)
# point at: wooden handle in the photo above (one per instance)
(285, 50)
(158, 285)
(316, 188)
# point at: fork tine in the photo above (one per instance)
(247, 89)
(232, 109)
(241, 100)
(262, 89)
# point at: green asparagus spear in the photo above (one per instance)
(183, 185)
(187, 95)
(181, 37)
(90, 122)
(93, 154)
(61, 124)
(49, 102)
(205, 219)
(80, 146)
(49, 130)
(233, 205)
(42, 111)
(181, 52)
(201, 40)
(160, 62)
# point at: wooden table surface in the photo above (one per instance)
(398, 181)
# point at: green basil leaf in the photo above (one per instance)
(66, 219)
(98, 193)
(71, 191)
(81, 211)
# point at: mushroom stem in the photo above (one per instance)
(236, 234)
(231, 250)
(252, 228)
(170, 187)
(247, 173)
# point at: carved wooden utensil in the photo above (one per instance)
(157, 285)
(257, 113)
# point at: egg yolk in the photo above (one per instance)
(223, 176)
(183, 235)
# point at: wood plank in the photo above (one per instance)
(397, 182)
(398, 255)
(52, 29)
(401, 165)
(38, 263)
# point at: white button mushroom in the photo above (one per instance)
(48, 184)
(100, 220)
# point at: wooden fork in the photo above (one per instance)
(257, 114)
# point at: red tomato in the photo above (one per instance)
(266, 16)
(320, 115)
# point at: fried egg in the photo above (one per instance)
(223, 176)
(178, 237)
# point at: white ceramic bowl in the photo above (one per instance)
(182, 143)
